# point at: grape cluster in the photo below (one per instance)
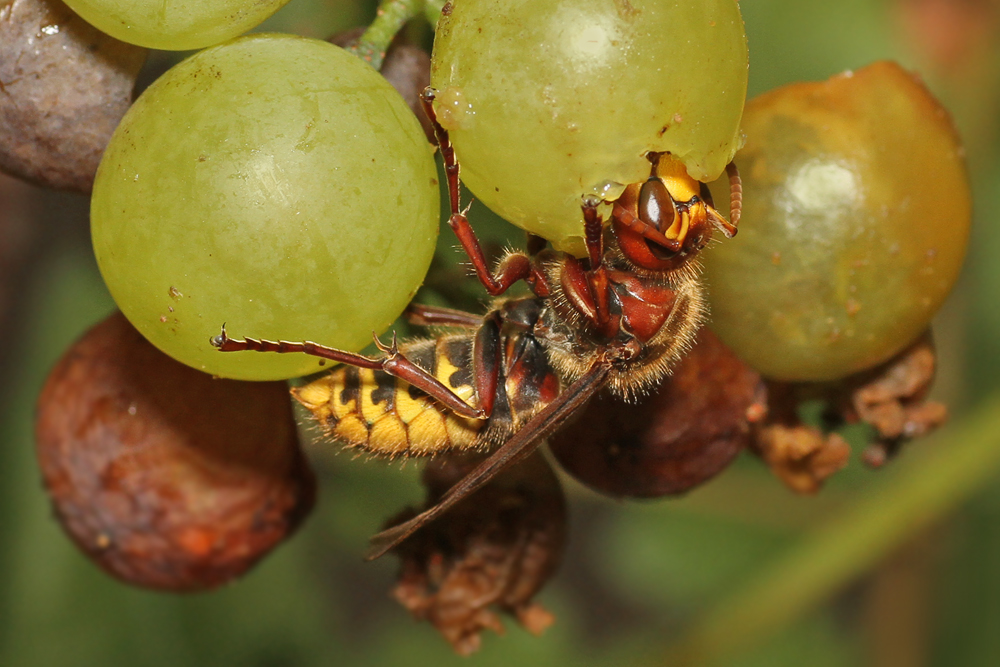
(279, 187)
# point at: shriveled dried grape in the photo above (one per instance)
(494, 551)
(892, 398)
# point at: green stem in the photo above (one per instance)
(391, 17)
(924, 486)
(432, 11)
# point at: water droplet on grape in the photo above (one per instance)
(610, 190)
(453, 110)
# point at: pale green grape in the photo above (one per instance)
(855, 224)
(175, 25)
(549, 100)
(274, 183)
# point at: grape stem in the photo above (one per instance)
(392, 15)
(432, 11)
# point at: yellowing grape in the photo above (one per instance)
(274, 183)
(175, 25)
(855, 224)
(549, 100)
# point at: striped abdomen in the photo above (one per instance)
(374, 411)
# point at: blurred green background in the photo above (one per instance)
(899, 567)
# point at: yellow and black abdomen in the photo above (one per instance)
(381, 414)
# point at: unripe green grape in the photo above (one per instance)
(274, 183)
(175, 25)
(550, 100)
(856, 213)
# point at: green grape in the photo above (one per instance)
(855, 225)
(550, 100)
(175, 25)
(274, 183)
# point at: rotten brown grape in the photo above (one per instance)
(166, 477)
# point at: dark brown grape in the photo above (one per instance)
(685, 433)
(166, 477)
(65, 86)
